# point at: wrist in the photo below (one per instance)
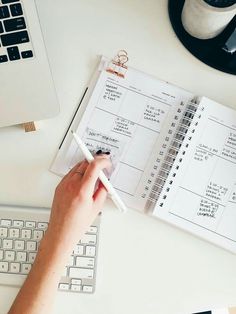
(59, 244)
(53, 251)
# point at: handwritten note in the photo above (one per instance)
(96, 140)
(207, 209)
(216, 192)
(111, 93)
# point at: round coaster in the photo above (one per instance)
(209, 51)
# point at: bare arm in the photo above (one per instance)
(75, 206)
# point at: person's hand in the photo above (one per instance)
(77, 201)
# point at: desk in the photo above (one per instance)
(145, 266)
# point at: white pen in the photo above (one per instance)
(89, 157)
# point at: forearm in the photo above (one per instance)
(38, 292)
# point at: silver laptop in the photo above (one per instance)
(27, 91)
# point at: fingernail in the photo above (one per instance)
(107, 153)
(99, 152)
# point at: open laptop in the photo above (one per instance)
(27, 91)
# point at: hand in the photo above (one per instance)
(78, 200)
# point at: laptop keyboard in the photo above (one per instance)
(14, 37)
(19, 242)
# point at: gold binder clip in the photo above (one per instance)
(118, 65)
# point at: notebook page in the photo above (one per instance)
(125, 116)
(202, 195)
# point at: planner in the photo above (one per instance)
(173, 153)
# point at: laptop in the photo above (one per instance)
(27, 92)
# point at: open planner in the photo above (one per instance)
(173, 153)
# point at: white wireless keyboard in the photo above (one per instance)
(21, 230)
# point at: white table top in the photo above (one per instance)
(145, 266)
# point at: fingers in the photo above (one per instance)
(100, 196)
(73, 170)
(81, 166)
(92, 173)
(79, 171)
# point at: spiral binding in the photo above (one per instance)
(170, 157)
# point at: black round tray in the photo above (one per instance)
(208, 51)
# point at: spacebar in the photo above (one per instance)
(14, 38)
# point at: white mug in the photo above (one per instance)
(204, 21)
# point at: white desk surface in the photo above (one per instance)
(145, 266)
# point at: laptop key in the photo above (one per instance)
(15, 38)
(4, 12)
(1, 27)
(27, 54)
(3, 59)
(13, 53)
(14, 24)
(16, 9)
(8, 1)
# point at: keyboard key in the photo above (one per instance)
(16, 9)
(18, 223)
(6, 222)
(1, 28)
(10, 255)
(32, 257)
(27, 54)
(90, 251)
(76, 281)
(79, 250)
(3, 59)
(3, 267)
(14, 233)
(4, 12)
(13, 53)
(25, 268)
(64, 274)
(8, 1)
(42, 225)
(92, 229)
(3, 232)
(89, 239)
(14, 24)
(19, 245)
(31, 246)
(26, 233)
(14, 38)
(63, 286)
(37, 234)
(7, 244)
(87, 288)
(30, 224)
(75, 288)
(71, 261)
(1, 255)
(21, 256)
(86, 262)
(81, 273)
(14, 267)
